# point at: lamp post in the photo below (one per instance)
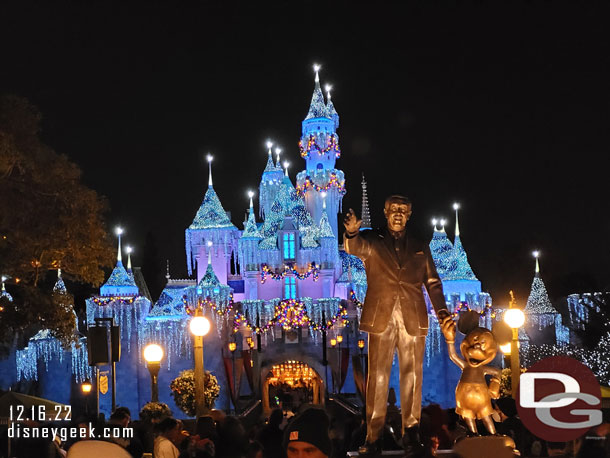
(505, 349)
(514, 318)
(362, 362)
(232, 348)
(199, 327)
(339, 358)
(333, 344)
(361, 348)
(86, 388)
(153, 354)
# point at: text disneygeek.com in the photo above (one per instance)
(17, 431)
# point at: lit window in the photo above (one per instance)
(289, 246)
(290, 288)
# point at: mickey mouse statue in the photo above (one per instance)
(472, 394)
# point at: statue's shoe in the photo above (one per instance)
(411, 443)
(370, 449)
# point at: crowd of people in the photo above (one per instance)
(304, 432)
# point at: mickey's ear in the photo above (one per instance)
(468, 321)
(501, 332)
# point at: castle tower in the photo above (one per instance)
(365, 214)
(319, 146)
(119, 284)
(211, 224)
(462, 271)
(540, 312)
(270, 183)
(459, 282)
(442, 250)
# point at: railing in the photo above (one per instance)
(351, 408)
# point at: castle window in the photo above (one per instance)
(290, 288)
(319, 166)
(289, 246)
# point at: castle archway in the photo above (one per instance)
(291, 383)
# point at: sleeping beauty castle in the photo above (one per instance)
(282, 296)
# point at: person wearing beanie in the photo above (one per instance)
(306, 436)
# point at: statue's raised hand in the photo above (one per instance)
(447, 327)
(351, 222)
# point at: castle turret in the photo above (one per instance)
(459, 282)
(462, 270)
(211, 224)
(248, 243)
(271, 180)
(442, 250)
(319, 146)
(539, 310)
(119, 283)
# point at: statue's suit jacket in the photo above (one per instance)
(396, 275)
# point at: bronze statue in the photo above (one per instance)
(395, 316)
(472, 395)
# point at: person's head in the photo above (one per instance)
(121, 416)
(205, 427)
(171, 429)
(397, 211)
(232, 437)
(255, 450)
(306, 436)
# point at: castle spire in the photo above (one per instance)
(536, 254)
(129, 250)
(120, 282)
(538, 302)
(270, 167)
(209, 159)
(462, 270)
(119, 257)
(442, 250)
(251, 230)
(317, 108)
(330, 107)
(366, 216)
(456, 207)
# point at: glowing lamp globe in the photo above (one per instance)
(200, 326)
(333, 342)
(86, 387)
(514, 318)
(339, 339)
(361, 343)
(232, 346)
(153, 353)
(505, 349)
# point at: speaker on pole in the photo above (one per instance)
(97, 345)
(115, 343)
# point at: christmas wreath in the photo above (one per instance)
(183, 391)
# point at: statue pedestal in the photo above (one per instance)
(400, 454)
(485, 447)
(471, 447)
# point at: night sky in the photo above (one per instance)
(503, 108)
